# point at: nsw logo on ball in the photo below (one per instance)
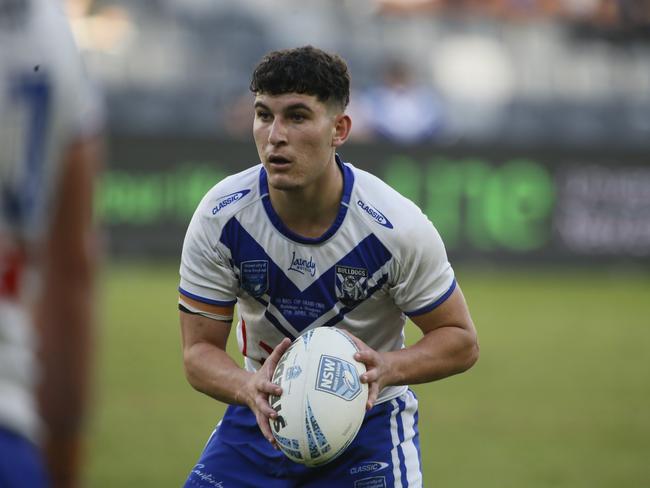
(338, 377)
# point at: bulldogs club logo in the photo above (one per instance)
(351, 285)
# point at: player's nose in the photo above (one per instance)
(277, 133)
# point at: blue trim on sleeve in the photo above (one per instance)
(433, 305)
(206, 300)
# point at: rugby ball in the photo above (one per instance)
(323, 401)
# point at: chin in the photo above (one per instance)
(283, 184)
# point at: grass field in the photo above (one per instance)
(559, 398)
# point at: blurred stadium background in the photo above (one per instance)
(522, 128)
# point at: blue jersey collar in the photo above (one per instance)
(348, 182)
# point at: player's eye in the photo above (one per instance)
(297, 117)
(264, 116)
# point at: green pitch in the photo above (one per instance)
(559, 398)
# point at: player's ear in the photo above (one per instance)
(342, 126)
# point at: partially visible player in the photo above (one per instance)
(305, 240)
(50, 150)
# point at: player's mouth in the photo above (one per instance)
(278, 161)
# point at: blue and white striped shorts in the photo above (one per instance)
(385, 454)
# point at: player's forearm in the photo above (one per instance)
(438, 354)
(65, 316)
(64, 460)
(65, 313)
(66, 364)
(213, 372)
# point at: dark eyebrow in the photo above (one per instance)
(298, 106)
(292, 107)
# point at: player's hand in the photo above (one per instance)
(376, 369)
(256, 392)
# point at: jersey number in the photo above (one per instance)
(33, 93)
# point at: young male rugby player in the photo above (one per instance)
(306, 240)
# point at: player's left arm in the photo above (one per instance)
(448, 346)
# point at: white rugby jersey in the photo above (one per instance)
(45, 104)
(380, 261)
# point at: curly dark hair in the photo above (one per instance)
(306, 70)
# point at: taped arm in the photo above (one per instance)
(210, 370)
(208, 367)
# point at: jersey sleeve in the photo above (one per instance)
(206, 273)
(424, 278)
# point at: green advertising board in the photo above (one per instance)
(500, 204)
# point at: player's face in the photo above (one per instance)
(296, 137)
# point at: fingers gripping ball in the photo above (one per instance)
(323, 400)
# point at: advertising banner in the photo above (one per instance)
(498, 204)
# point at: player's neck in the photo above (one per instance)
(311, 211)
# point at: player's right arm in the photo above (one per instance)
(211, 370)
(209, 287)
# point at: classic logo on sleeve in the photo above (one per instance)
(375, 214)
(338, 377)
(255, 277)
(351, 284)
(228, 199)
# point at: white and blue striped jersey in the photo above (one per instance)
(46, 103)
(380, 261)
